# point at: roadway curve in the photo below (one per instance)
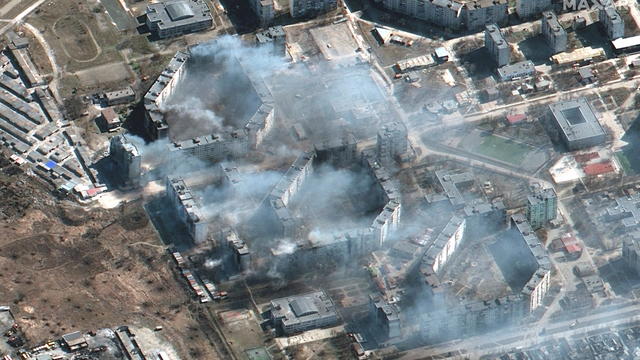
(53, 85)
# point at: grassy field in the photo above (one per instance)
(625, 163)
(503, 149)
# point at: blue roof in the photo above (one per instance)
(50, 164)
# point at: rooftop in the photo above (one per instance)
(178, 12)
(493, 31)
(302, 308)
(576, 119)
(522, 68)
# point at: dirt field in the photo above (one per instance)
(77, 40)
(66, 268)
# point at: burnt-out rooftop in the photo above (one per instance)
(211, 97)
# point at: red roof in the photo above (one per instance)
(569, 240)
(573, 249)
(93, 191)
(570, 243)
(516, 118)
(600, 168)
(583, 158)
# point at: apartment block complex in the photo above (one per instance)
(452, 14)
(554, 34)
(497, 45)
(304, 8)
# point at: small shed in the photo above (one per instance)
(586, 75)
(442, 55)
(74, 341)
(111, 118)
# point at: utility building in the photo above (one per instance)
(304, 8)
(542, 207)
(174, 18)
(612, 22)
(518, 70)
(497, 45)
(295, 314)
(577, 124)
(554, 34)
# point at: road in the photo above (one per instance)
(21, 16)
(53, 85)
(518, 337)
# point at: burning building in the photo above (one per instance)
(126, 159)
(361, 204)
(214, 126)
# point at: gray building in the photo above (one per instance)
(612, 22)
(627, 210)
(187, 208)
(304, 8)
(631, 251)
(577, 124)
(497, 45)
(119, 97)
(264, 11)
(453, 14)
(536, 288)
(240, 251)
(386, 316)
(299, 313)
(479, 13)
(542, 207)
(517, 70)
(178, 17)
(529, 8)
(554, 34)
(126, 159)
(392, 142)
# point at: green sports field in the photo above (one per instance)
(503, 149)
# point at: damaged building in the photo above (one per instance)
(392, 143)
(229, 141)
(290, 217)
(126, 159)
(300, 313)
(188, 208)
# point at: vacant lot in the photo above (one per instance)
(66, 267)
(77, 39)
(80, 34)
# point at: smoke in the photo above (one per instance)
(212, 263)
(229, 202)
(334, 200)
(158, 162)
(222, 89)
(285, 247)
(206, 121)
